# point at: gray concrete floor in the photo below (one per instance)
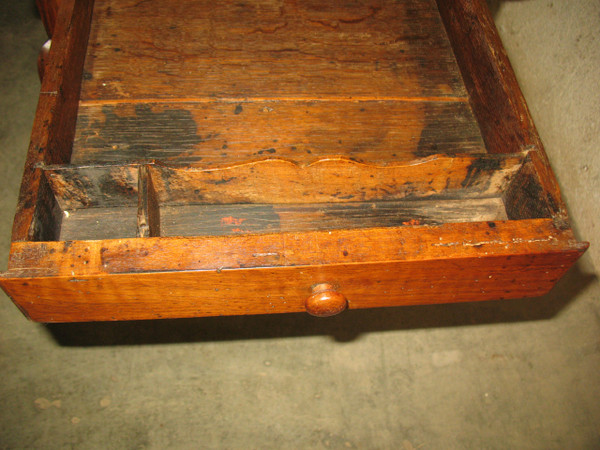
(512, 374)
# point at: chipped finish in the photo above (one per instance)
(335, 180)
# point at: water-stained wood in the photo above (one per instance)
(220, 133)
(274, 180)
(230, 220)
(222, 220)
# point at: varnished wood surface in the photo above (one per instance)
(54, 128)
(285, 289)
(160, 277)
(359, 246)
(312, 110)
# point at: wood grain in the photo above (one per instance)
(494, 93)
(148, 213)
(48, 10)
(284, 290)
(358, 246)
(223, 220)
(220, 133)
(54, 127)
(274, 49)
(275, 180)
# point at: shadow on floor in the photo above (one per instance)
(343, 328)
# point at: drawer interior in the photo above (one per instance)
(151, 200)
(271, 116)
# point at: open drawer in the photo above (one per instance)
(199, 158)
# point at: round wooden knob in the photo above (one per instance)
(325, 301)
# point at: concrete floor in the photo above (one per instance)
(512, 374)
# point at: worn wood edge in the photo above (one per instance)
(488, 76)
(194, 166)
(352, 246)
(54, 124)
(495, 92)
(276, 180)
(110, 297)
(148, 215)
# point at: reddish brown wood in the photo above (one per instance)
(308, 109)
(54, 126)
(494, 92)
(48, 10)
(325, 301)
(423, 243)
(284, 289)
(43, 58)
(221, 133)
(269, 50)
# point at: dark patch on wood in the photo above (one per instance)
(99, 186)
(148, 216)
(217, 220)
(238, 109)
(525, 198)
(48, 215)
(451, 129)
(480, 167)
(267, 150)
(147, 134)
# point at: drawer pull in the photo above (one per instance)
(325, 301)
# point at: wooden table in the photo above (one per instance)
(194, 158)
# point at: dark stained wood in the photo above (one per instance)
(221, 133)
(99, 223)
(525, 197)
(148, 214)
(494, 93)
(269, 49)
(47, 217)
(94, 186)
(54, 128)
(222, 220)
(274, 180)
